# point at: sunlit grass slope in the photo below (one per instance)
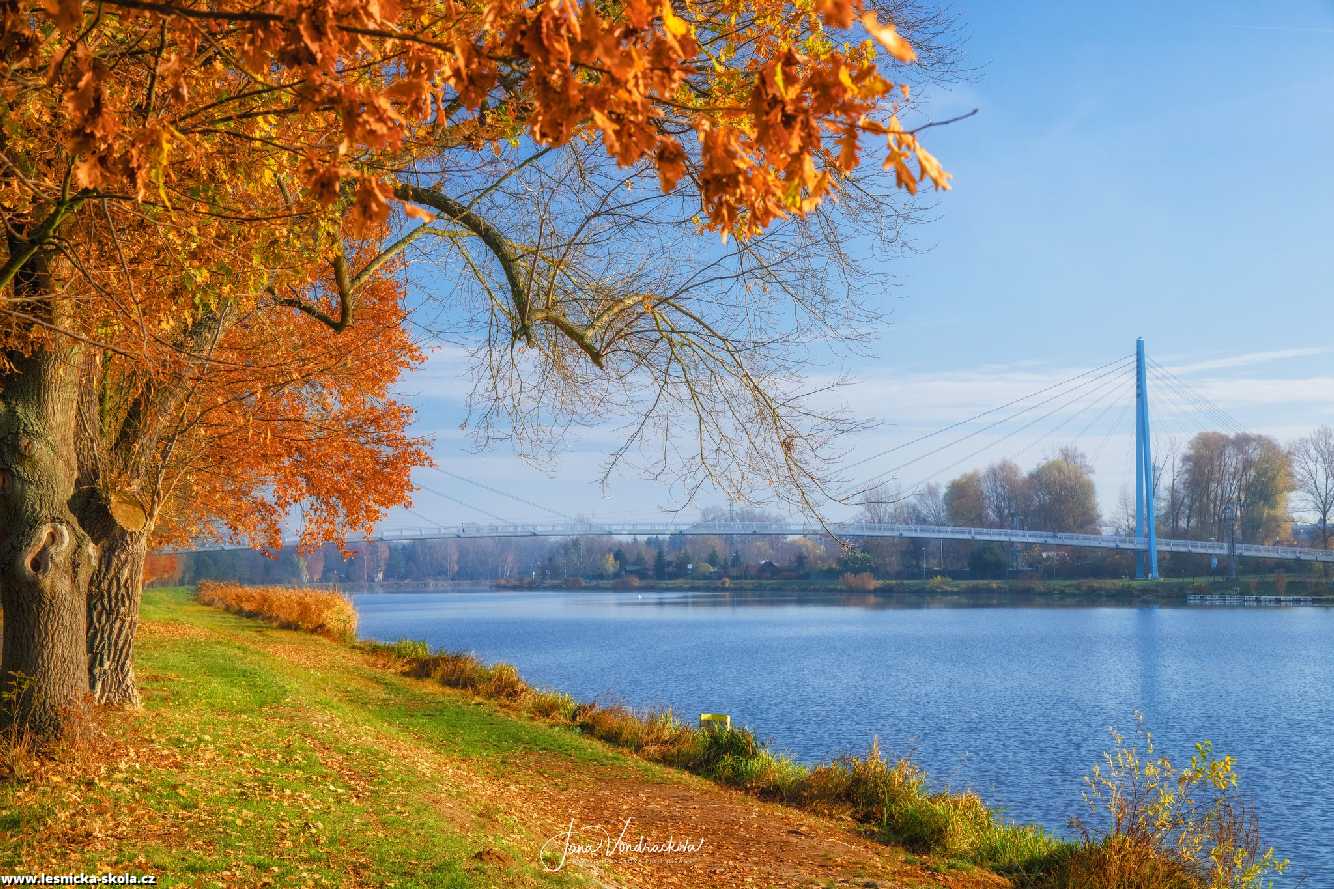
(265, 756)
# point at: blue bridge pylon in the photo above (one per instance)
(1146, 560)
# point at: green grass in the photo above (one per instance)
(248, 768)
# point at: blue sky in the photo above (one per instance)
(1135, 169)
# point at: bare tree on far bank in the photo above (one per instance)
(1312, 460)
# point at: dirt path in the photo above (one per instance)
(741, 841)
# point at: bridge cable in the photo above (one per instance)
(1070, 395)
(1096, 420)
(956, 425)
(1206, 419)
(464, 504)
(1011, 434)
(1200, 397)
(516, 497)
(1076, 391)
(1117, 423)
(1215, 422)
(1171, 413)
(1188, 418)
(1202, 423)
(425, 518)
(1105, 391)
(1203, 401)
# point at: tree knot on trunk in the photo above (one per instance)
(48, 542)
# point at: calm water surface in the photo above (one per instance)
(1011, 702)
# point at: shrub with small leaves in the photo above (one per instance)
(1171, 824)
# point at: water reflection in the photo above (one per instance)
(1147, 639)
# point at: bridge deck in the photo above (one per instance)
(843, 529)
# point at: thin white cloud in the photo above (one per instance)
(1235, 394)
(1248, 359)
(446, 373)
(1289, 29)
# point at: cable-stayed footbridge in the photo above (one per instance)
(1081, 402)
(850, 530)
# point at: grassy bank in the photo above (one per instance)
(1168, 825)
(268, 756)
(271, 757)
(889, 799)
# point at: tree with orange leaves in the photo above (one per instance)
(250, 157)
(267, 419)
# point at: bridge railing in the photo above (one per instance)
(1256, 550)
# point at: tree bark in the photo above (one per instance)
(1324, 543)
(113, 617)
(45, 557)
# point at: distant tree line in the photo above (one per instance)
(1056, 495)
(551, 560)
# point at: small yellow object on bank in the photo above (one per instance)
(715, 720)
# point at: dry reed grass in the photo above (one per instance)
(315, 611)
(862, 582)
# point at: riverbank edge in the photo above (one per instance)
(886, 799)
(1256, 590)
(265, 756)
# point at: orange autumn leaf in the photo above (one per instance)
(888, 37)
(671, 162)
(415, 212)
(931, 168)
(835, 13)
(370, 209)
(675, 25)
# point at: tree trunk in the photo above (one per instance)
(45, 557)
(1324, 543)
(113, 616)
